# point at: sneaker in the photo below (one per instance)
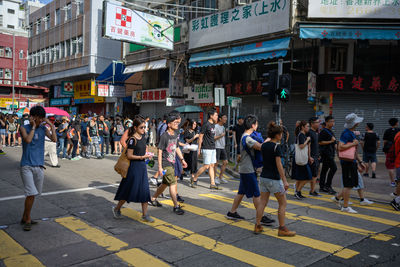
(99, 157)
(297, 195)
(373, 175)
(75, 159)
(395, 205)
(266, 220)
(27, 227)
(79, 157)
(178, 210)
(366, 175)
(393, 184)
(314, 194)
(234, 216)
(193, 184)
(258, 229)
(147, 218)
(153, 181)
(217, 181)
(301, 195)
(215, 187)
(348, 209)
(335, 199)
(2, 152)
(223, 181)
(283, 231)
(393, 195)
(324, 189)
(57, 166)
(180, 199)
(154, 203)
(116, 213)
(331, 191)
(366, 202)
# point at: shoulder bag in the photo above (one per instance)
(301, 155)
(348, 154)
(122, 165)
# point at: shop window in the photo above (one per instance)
(336, 59)
(7, 74)
(1, 72)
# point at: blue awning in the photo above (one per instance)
(114, 74)
(362, 32)
(240, 54)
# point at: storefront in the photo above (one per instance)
(85, 97)
(152, 102)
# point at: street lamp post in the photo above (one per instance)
(13, 73)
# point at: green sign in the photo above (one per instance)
(203, 93)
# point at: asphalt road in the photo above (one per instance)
(76, 227)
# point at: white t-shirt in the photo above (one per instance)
(220, 143)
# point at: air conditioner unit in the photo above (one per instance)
(244, 2)
(7, 82)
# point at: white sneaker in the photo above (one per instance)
(217, 181)
(366, 202)
(349, 210)
(334, 199)
(153, 181)
(224, 181)
(342, 201)
(393, 195)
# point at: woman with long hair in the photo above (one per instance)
(191, 138)
(135, 187)
(118, 131)
(153, 132)
(302, 173)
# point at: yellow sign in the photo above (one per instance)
(84, 89)
(5, 102)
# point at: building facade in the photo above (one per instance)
(66, 47)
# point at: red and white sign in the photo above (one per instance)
(153, 95)
(68, 87)
(102, 90)
(123, 17)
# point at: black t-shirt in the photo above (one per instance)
(168, 144)
(390, 134)
(370, 140)
(138, 146)
(189, 135)
(100, 126)
(269, 152)
(77, 128)
(314, 146)
(327, 150)
(239, 130)
(301, 138)
(208, 130)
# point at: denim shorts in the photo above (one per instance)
(249, 185)
(369, 157)
(271, 186)
(2, 131)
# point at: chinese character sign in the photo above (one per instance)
(203, 93)
(133, 26)
(152, 95)
(377, 9)
(259, 18)
(102, 90)
(361, 83)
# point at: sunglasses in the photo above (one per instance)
(142, 127)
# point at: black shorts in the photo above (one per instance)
(349, 174)
(315, 167)
(221, 154)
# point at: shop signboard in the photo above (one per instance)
(102, 90)
(95, 99)
(174, 102)
(152, 95)
(67, 88)
(203, 93)
(312, 85)
(116, 91)
(234, 101)
(219, 94)
(84, 89)
(188, 91)
(244, 88)
(256, 19)
(60, 101)
(6, 102)
(369, 9)
(122, 23)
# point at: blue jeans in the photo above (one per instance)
(62, 145)
(94, 144)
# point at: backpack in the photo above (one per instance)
(120, 129)
(160, 128)
(12, 127)
(71, 133)
(257, 159)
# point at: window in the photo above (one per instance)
(74, 46)
(1, 20)
(80, 45)
(1, 51)
(47, 22)
(1, 72)
(37, 58)
(8, 52)
(67, 48)
(68, 12)
(10, 11)
(58, 16)
(20, 75)
(21, 23)
(7, 74)
(38, 26)
(10, 26)
(47, 55)
(21, 54)
(336, 59)
(62, 52)
(30, 29)
(80, 8)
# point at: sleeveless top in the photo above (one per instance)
(33, 153)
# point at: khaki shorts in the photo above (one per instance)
(169, 176)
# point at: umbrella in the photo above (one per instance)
(56, 111)
(189, 109)
(23, 111)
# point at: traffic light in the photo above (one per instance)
(285, 83)
(271, 85)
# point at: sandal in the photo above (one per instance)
(155, 203)
(27, 227)
(32, 222)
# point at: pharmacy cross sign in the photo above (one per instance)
(123, 17)
(68, 87)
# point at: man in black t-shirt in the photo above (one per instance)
(370, 144)
(207, 148)
(388, 147)
(314, 153)
(327, 142)
(238, 131)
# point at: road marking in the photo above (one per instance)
(13, 254)
(205, 242)
(62, 191)
(369, 207)
(135, 257)
(298, 239)
(324, 223)
(374, 256)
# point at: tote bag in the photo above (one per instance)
(122, 165)
(348, 154)
(301, 155)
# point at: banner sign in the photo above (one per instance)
(121, 23)
(368, 9)
(60, 101)
(67, 88)
(5, 102)
(256, 19)
(153, 95)
(360, 83)
(102, 90)
(116, 91)
(203, 93)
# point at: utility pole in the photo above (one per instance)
(13, 73)
(278, 103)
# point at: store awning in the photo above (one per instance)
(240, 54)
(362, 32)
(152, 65)
(114, 73)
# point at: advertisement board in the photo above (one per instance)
(388, 9)
(152, 95)
(60, 101)
(122, 23)
(102, 90)
(256, 19)
(203, 93)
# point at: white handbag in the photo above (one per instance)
(301, 155)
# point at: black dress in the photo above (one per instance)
(135, 187)
(191, 157)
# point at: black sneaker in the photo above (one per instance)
(331, 191)
(314, 194)
(301, 195)
(324, 189)
(234, 216)
(373, 175)
(154, 203)
(180, 199)
(266, 220)
(395, 205)
(178, 210)
(297, 195)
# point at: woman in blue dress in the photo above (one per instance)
(135, 187)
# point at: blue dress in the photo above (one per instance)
(135, 187)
